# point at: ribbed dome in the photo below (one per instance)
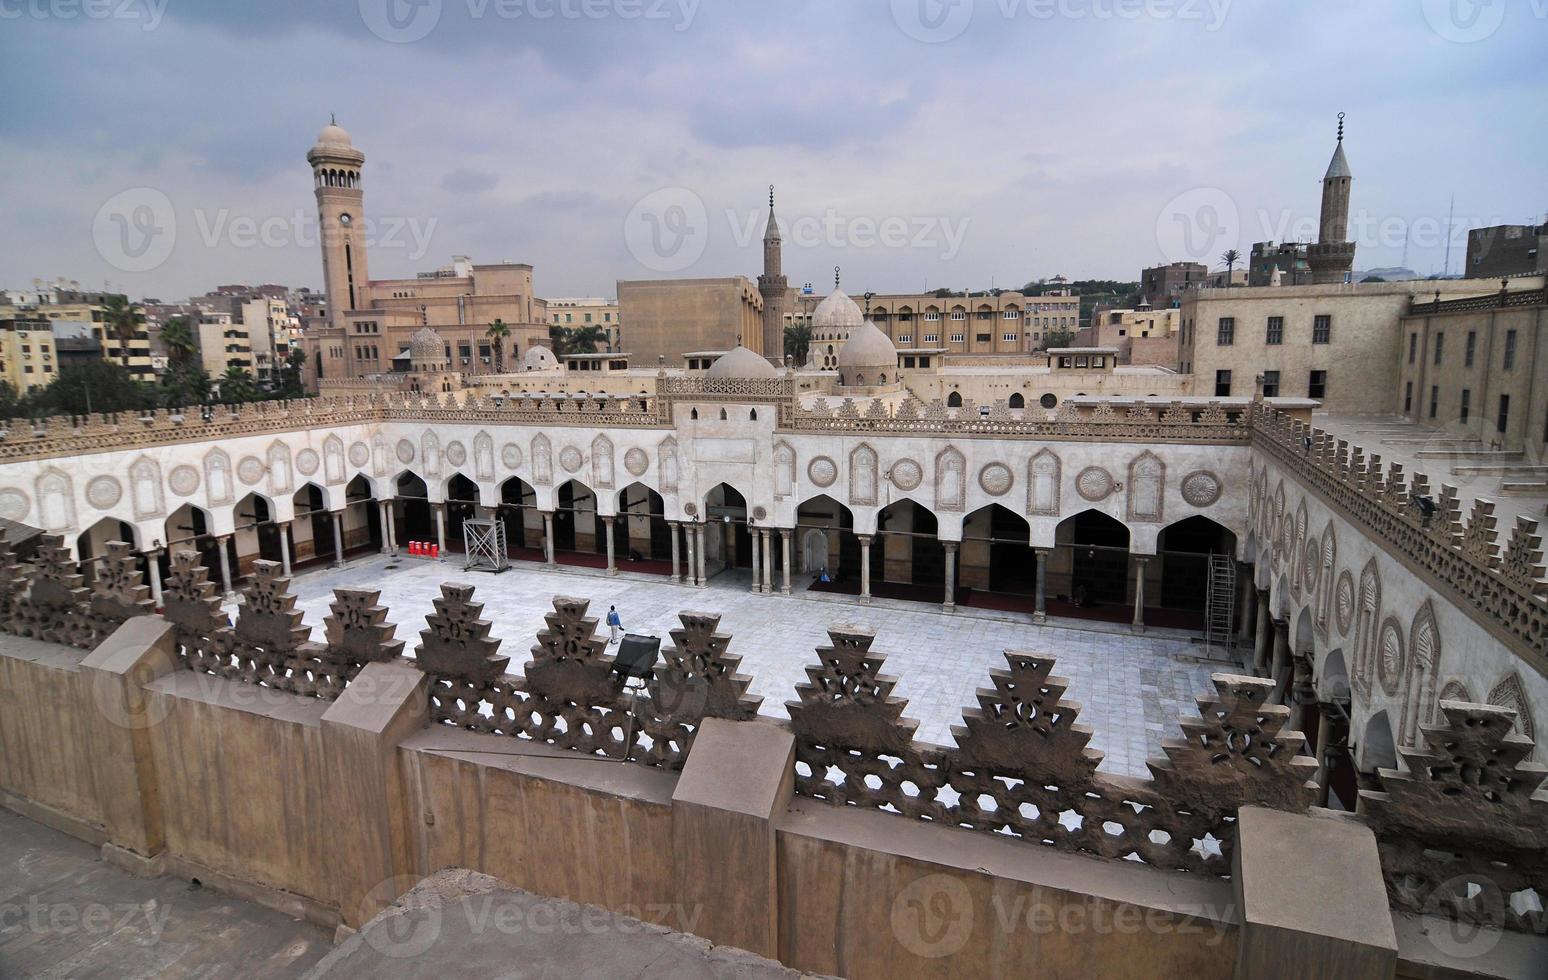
(837, 311)
(427, 349)
(538, 358)
(740, 362)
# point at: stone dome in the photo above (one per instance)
(837, 312)
(427, 350)
(539, 358)
(740, 362)
(334, 136)
(868, 357)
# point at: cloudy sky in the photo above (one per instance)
(159, 145)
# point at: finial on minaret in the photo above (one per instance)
(738, 340)
(771, 197)
(1341, 127)
(333, 119)
(835, 277)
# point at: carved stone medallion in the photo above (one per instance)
(1344, 602)
(571, 459)
(760, 513)
(14, 504)
(822, 471)
(1201, 488)
(510, 455)
(907, 474)
(250, 470)
(359, 454)
(456, 453)
(996, 479)
(1389, 656)
(636, 461)
(405, 451)
(307, 462)
(184, 480)
(104, 491)
(1094, 483)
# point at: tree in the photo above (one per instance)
(123, 320)
(1058, 338)
(290, 385)
(186, 384)
(798, 341)
(575, 340)
(1373, 279)
(92, 386)
(1230, 257)
(179, 340)
(498, 333)
(236, 385)
(558, 340)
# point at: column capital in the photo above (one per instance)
(951, 545)
(865, 538)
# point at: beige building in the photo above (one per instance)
(223, 344)
(73, 306)
(980, 323)
(669, 317)
(27, 356)
(266, 322)
(588, 311)
(1472, 366)
(1144, 335)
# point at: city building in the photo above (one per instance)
(28, 358)
(224, 344)
(1283, 264)
(990, 322)
(61, 303)
(587, 311)
(1143, 335)
(1507, 250)
(1164, 285)
(668, 317)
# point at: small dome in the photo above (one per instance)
(868, 357)
(427, 350)
(538, 358)
(837, 311)
(740, 362)
(334, 135)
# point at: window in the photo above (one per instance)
(932, 338)
(1322, 328)
(1434, 399)
(1440, 343)
(1466, 408)
(958, 315)
(1413, 343)
(1222, 384)
(1276, 330)
(932, 316)
(1009, 336)
(1012, 314)
(959, 338)
(1270, 384)
(1226, 336)
(1317, 385)
(1504, 416)
(1408, 397)
(1017, 401)
(982, 338)
(905, 338)
(1510, 351)
(1472, 344)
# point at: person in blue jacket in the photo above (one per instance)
(614, 624)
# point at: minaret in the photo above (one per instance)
(775, 289)
(336, 175)
(1332, 256)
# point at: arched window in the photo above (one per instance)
(722, 415)
(694, 414)
(752, 415)
(954, 400)
(1048, 400)
(1016, 401)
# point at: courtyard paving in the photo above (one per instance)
(1133, 689)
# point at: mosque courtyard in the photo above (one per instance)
(1132, 688)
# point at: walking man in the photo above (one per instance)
(614, 624)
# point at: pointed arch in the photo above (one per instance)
(784, 470)
(1147, 482)
(602, 463)
(430, 453)
(56, 500)
(145, 490)
(1511, 693)
(667, 464)
(217, 477)
(862, 476)
(1419, 682)
(483, 456)
(1043, 472)
(542, 461)
(1366, 624)
(950, 480)
(280, 478)
(1322, 597)
(335, 469)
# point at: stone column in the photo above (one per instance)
(612, 562)
(153, 565)
(757, 565)
(768, 562)
(1040, 611)
(1324, 724)
(548, 538)
(785, 534)
(1244, 633)
(285, 548)
(703, 579)
(338, 536)
(691, 573)
(1264, 624)
(1138, 625)
(675, 528)
(440, 526)
(949, 601)
(865, 567)
(225, 565)
(1281, 661)
(384, 513)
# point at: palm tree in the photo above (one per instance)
(497, 333)
(584, 340)
(179, 340)
(798, 341)
(558, 340)
(124, 319)
(236, 385)
(1230, 257)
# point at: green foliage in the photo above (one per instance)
(1373, 279)
(93, 386)
(1058, 338)
(178, 337)
(123, 320)
(290, 375)
(499, 333)
(575, 340)
(798, 341)
(237, 385)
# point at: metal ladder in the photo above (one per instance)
(1220, 602)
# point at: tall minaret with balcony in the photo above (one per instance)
(336, 175)
(1332, 256)
(775, 289)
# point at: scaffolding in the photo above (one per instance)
(1220, 602)
(484, 545)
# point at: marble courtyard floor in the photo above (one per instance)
(1132, 689)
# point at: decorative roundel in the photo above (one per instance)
(1311, 562)
(14, 504)
(996, 479)
(691, 509)
(306, 462)
(456, 453)
(359, 454)
(636, 461)
(510, 455)
(1201, 488)
(1094, 483)
(760, 513)
(250, 470)
(907, 474)
(104, 491)
(405, 451)
(571, 459)
(1344, 602)
(183, 480)
(1389, 656)
(822, 471)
